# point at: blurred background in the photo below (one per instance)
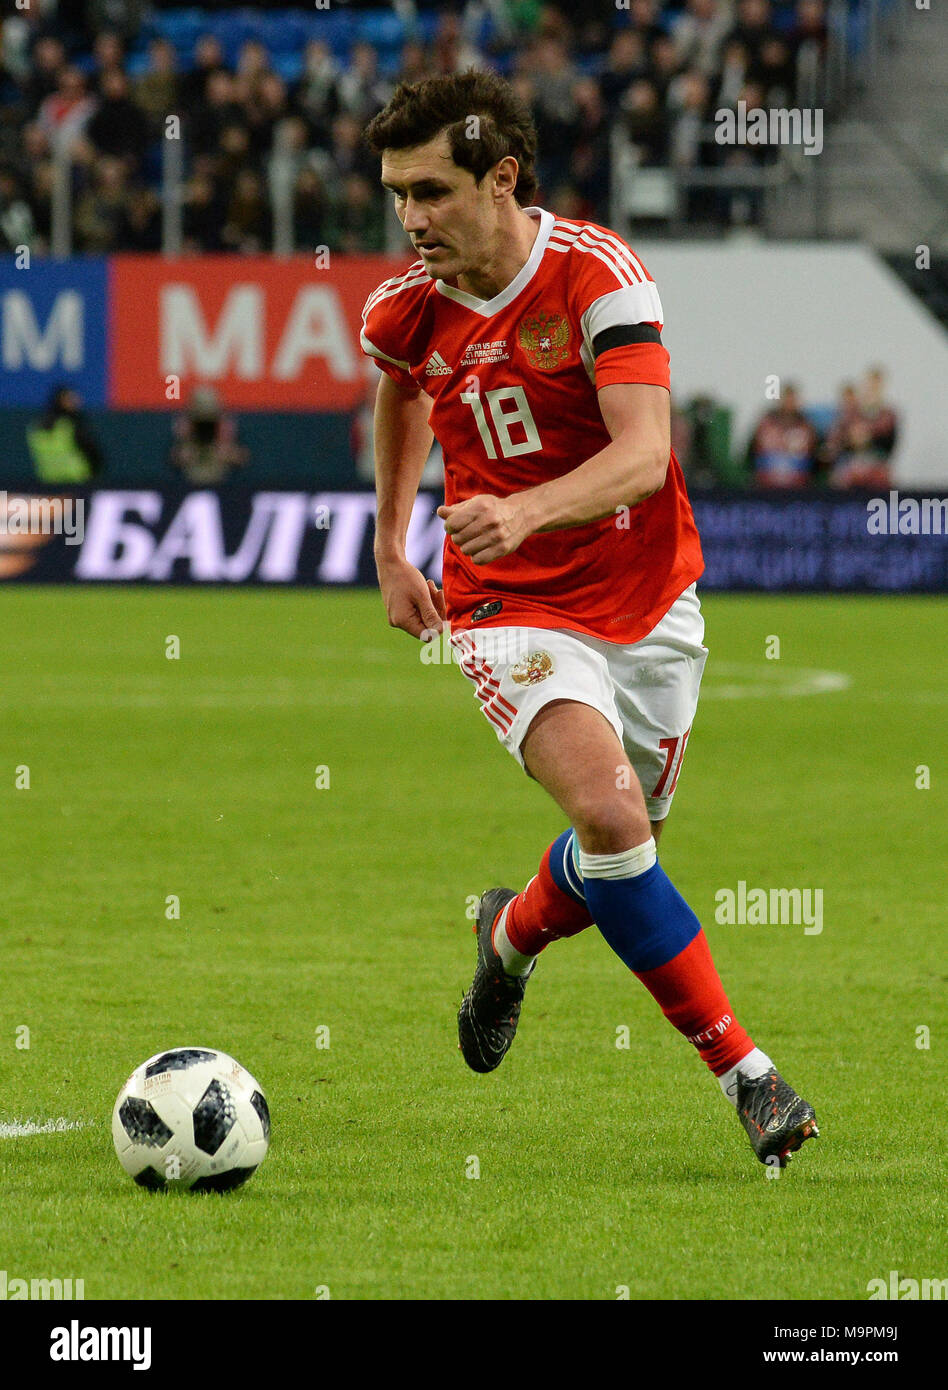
(190, 224)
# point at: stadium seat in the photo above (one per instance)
(289, 66)
(381, 28)
(286, 32)
(180, 27)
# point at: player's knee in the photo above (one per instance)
(611, 825)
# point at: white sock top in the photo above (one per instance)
(628, 863)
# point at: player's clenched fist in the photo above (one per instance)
(486, 528)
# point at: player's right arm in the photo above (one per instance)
(403, 440)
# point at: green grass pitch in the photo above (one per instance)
(602, 1168)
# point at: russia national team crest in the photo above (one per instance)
(532, 669)
(544, 339)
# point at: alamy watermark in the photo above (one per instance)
(907, 516)
(42, 516)
(778, 125)
(907, 1290)
(14, 1290)
(774, 907)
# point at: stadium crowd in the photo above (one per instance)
(101, 76)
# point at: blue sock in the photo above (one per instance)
(641, 914)
(564, 866)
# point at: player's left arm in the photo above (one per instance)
(629, 469)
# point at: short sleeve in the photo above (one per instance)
(379, 339)
(621, 317)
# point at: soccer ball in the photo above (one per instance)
(193, 1118)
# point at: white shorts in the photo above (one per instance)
(648, 691)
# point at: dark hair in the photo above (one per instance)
(420, 111)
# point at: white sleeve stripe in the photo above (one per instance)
(392, 287)
(373, 351)
(562, 227)
(382, 292)
(620, 272)
(622, 251)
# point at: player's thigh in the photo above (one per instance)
(524, 679)
(657, 684)
(576, 756)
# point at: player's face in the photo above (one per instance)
(451, 221)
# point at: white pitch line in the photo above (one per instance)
(757, 681)
(19, 1129)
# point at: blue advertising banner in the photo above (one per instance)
(238, 535)
(53, 326)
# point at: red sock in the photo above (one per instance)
(543, 913)
(690, 994)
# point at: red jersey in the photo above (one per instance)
(514, 382)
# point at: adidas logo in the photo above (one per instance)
(437, 366)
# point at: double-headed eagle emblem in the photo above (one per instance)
(544, 339)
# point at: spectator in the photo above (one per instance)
(16, 216)
(741, 203)
(347, 153)
(413, 63)
(102, 210)
(317, 95)
(310, 210)
(203, 214)
(732, 76)
(124, 16)
(217, 109)
(17, 38)
(775, 71)
(643, 15)
(698, 34)
(646, 124)
(752, 26)
(41, 204)
(208, 59)
(357, 221)
(266, 108)
(140, 226)
(362, 90)
(664, 64)
(691, 140)
(626, 63)
(65, 114)
(880, 414)
(48, 64)
(451, 51)
(205, 448)
(591, 162)
(253, 62)
(862, 436)
(249, 225)
(63, 447)
(109, 54)
(784, 445)
(810, 26)
(156, 90)
(119, 127)
(681, 437)
(555, 109)
(233, 152)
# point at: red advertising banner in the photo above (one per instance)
(267, 334)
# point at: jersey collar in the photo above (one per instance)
(486, 307)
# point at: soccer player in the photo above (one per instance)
(530, 346)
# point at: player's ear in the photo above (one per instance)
(505, 176)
